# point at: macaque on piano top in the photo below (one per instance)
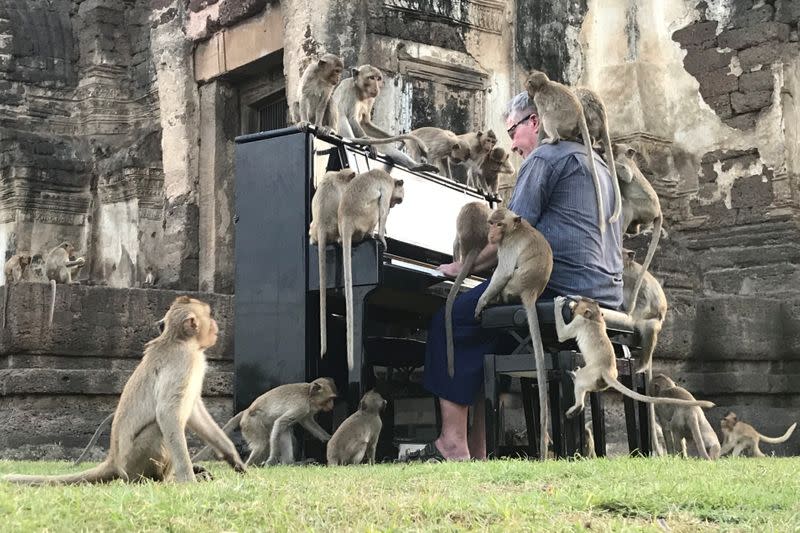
(444, 147)
(365, 204)
(493, 164)
(354, 98)
(315, 105)
(480, 143)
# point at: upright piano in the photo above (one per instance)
(277, 279)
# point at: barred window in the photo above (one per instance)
(271, 113)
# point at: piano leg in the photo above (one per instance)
(355, 381)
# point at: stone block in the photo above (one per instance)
(717, 82)
(787, 11)
(231, 12)
(760, 80)
(763, 32)
(695, 34)
(751, 191)
(746, 121)
(763, 54)
(199, 5)
(720, 104)
(750, 101)
(705, 60)
(751, 17)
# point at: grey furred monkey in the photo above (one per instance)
(324, 229)
(679, 423)
(357, 437)
(315, 103)
(159, 401)
(365, 204)
(588, 328)
(267, 423)
(524, 265)
(561, 117)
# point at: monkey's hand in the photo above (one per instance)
(303, 126)
(239, 467)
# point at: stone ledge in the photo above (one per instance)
(98, 321)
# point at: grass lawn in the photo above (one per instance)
(597, 495)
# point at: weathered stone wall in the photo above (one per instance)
(57, 384)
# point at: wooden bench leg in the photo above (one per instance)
(491, 408)
(644, 416)
(530, 403)
(572, 427)
(625, 377)
(598, 424)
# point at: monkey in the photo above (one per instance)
(365, 203)
(443, 147)
(316, 87)
(561, 117)
(524, 265)
(324, 228)
(59, 267)
(472, 235)
(739, 436)
(358, 435)
(159, 401)
(594, 112)
(648, 318)
(494, 163)
(480, 143)
(94, 439)
(267, 423)
(354, 98)
(149, 276)
(640, 206)
(14, 270)
(679, 423)
(588, 327)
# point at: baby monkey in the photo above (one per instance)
(493, 164)
(524, 264)
(739, 436)
(588, 328)
(357, 437)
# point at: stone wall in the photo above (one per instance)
(56, 385)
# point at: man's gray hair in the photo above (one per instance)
(520, 106)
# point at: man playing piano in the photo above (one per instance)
(555, 193)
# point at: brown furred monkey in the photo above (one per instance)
(740, 436)
(267, 423)
(357, 436)
(679, 423)
(561, 117)
(524, 265)
(324, 228)
(594, 111)
(354, 98)
(160, 400)
(640, 206)
(14, 270)
(443, 146)
(471, 237)
(588, 328)
(317, 83)
(480, 144)
(59, 267)
(493, 164)
(365, 203)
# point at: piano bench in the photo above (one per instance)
(567, 434)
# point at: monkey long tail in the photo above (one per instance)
(5, 302)
(386, 140)
(613, 383)
(613, 167)
(778, 440)
(229, 426)
(347, 250)
(52, 303)
(103, 472)
(651, 251)
(649, 338)
(466, 268)
(541, 374)
(587, 140)
(94, 438)
(697, 437)
(323, 294)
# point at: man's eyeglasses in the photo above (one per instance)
(513, 128)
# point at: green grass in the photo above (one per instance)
(598, 495)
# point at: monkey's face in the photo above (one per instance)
(588, 309)
(24, 260)
(370, 80)
(728, 421)
(500, 222)
(661, 383)
(536, 81)
(627, 257)
(488, 141)
(398, 192)
(334, 68)
(322, 393)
